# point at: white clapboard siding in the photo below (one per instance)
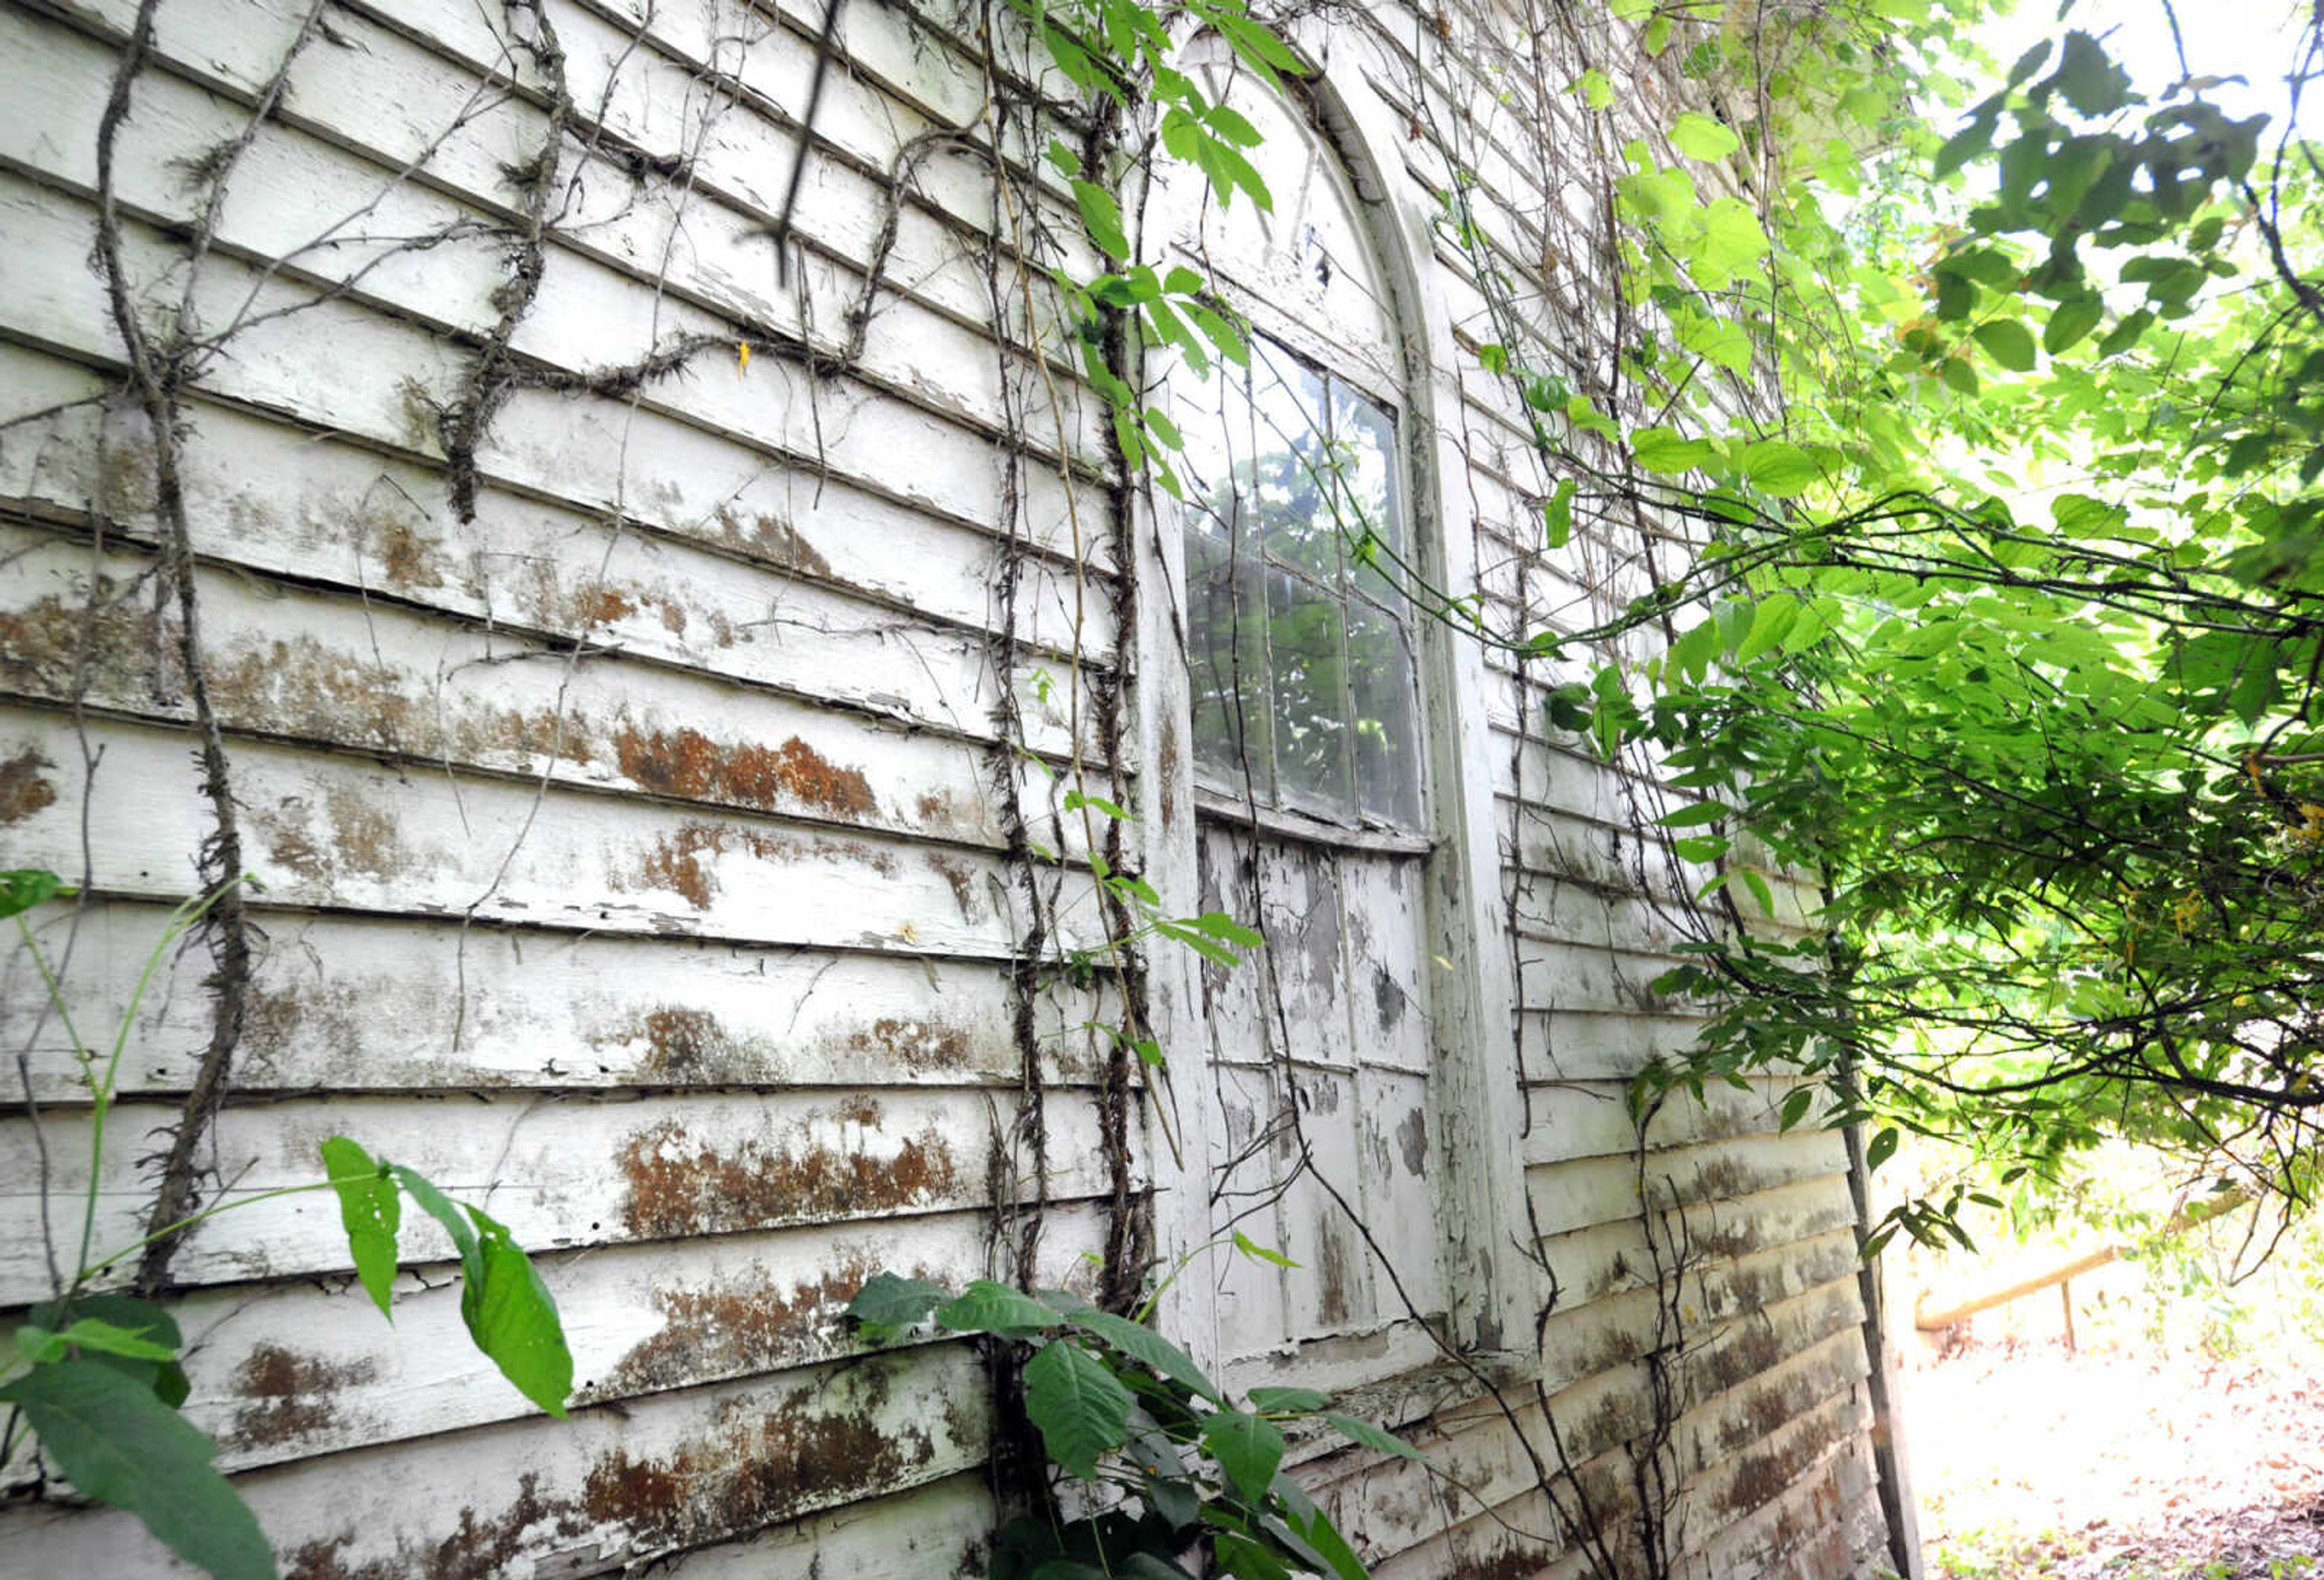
(357, 1004)
(559, 1172)
(364, 674)
(308, 503)
(339, 832)
(667, 1472)
(335, 364)
(290, 1371)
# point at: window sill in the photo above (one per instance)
(1219, 807)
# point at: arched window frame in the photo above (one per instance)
(1475, 1123)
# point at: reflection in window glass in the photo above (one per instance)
(1301, 650)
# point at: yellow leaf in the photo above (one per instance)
(741, 357)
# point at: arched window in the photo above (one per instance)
(1302, 663)
(1307, 702)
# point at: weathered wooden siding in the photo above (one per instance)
(637, 793)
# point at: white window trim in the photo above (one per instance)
(1492, 1288)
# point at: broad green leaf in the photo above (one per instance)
(2069, 321)
(1733, 243)
(2009, 343)
(1557, 515)
(119, 1445)
(1248, 1447)
(2091, 83)
(1142, 1344)
(1691, 817)
(889, 1303)
(1080, 1408)
(91, 1333)
(994, 1307)
(1882, 1148)
(1770, 623)
(1663, 450)
(1377, 1439)
(513, 1318)
(1698, 136)
(1779, 467)
(1290, 1401)
(1242, 1558)
(166, 1379)
(371, 1210)
(1221, 925)
(39, 1345)
(1795, 1108)
(1102, 219)
(1315, 1528)
(1596, 89)
(456, 1224)
(24, 887)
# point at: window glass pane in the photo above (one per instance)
(1307, 656)
(1382, 677)
(1226, 661)
(1363, 449)
(1290, 476)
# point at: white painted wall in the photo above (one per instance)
(632, 853)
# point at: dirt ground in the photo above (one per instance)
(2032, 1461)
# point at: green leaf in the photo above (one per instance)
(1557, 515)
(371, 1210)
(2069, 321)
(1315, 1528)
(1779, 467)
(1229, 124)
(994, 1307)
(24, 887)
(1698, 136)
(39, 1345)
(1883, 1147)
(2093, 84)
(1102, 219)
(2008, 343)
(1689, 817)
(1143, 1345)
(1243, 1559)
(91, 1333)
(1081, 1408)
(1596, 90)
(1218, 924)
(1795, 1108)
(1288, 1401)
(513, 1319)
(166, 1379)
(119, 1445)
(1259, 1253)
(1377, 1438)
(1663, 450)
(1248, 1447)
(889, 1304)
(433, 1202)
(1256, 45)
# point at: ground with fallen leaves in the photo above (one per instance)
(2032, 1461)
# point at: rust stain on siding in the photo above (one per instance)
(678, 1186)
(755, 1469)
(482, 1548)
(357, 836)
(771, 539)
(687, 763)
(733, 1328)
(126, 645)
(289, 1395)
(22, 790)
(677, 862)
(918, 1044)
